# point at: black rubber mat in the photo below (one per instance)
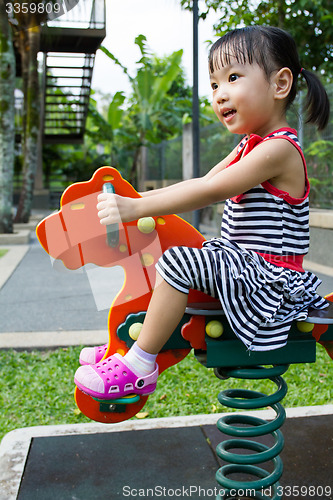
(161, 463)
(168, 463)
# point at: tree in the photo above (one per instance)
(310, 22)
(7, 122)
(26, 18)
(149, 90)
(29, 46)
(104, 129)
(27, 38)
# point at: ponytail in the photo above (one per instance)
(317, 104)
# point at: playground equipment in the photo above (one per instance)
(75, 236)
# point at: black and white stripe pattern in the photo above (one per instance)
(266, 223)
(259, 299)
(189, 268)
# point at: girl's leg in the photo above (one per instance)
(117, 376)
(191, 268)
(166, 309)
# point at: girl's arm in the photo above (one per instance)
(268, 160)
(184, 184)
(172, 187)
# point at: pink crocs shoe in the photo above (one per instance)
(113, 378)
(92, 355)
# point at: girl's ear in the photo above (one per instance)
(283, 81)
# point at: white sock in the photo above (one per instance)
(143, 362)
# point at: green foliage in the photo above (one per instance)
(36, 388)
(319, 155)
(323, 149)
(152, 113)
(73, 163)
(150, 87)
(115, 112)
(310, 22)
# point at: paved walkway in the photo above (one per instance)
(43, 304)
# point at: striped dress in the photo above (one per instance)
(255, 267)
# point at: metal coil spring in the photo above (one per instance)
(239, 463)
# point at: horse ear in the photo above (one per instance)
(110, 174)
(95, 185)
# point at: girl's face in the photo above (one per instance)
(243, 99)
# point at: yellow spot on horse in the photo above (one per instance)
(147, 259)
(77, 206)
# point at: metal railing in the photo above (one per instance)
(88, 14)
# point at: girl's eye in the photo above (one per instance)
(233, 77)
(213, 85)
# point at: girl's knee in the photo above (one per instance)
(173, 269)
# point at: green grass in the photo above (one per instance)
(36, 388)
(3, 252)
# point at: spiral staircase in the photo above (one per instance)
(68, 46)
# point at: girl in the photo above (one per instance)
(255, 268)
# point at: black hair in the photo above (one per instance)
(272, 49)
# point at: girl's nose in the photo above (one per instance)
(221, 95)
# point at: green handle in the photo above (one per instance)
(112, 230)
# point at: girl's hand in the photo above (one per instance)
(115, 209)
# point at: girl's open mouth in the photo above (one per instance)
(228, 115)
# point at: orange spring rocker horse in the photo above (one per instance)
(75, 236)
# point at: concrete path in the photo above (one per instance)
(43, 304)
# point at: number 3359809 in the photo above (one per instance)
(32, 7)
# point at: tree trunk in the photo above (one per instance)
(281, 12)
(29, 41)
(133, 175)
(7, 122)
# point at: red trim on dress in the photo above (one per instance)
(253, 141)
(294, 262)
